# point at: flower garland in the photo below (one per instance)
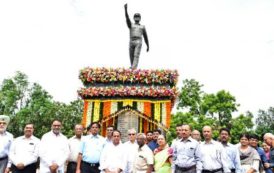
(106, 109)
(164, 114)
(128, 91)
(96, 110)
(122, 75)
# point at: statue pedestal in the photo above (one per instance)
(126, 98)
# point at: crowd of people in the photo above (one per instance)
(142, 153)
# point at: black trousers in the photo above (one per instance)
(88, 168)
(28, 169)
(71, 168)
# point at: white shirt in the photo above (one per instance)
(5, 141)
(24, 150)
(174, 141)
(143, 159)
(53, 149)
(213, 156)
(131, 150)
(74, 147)
(234, 157)
(113, 158)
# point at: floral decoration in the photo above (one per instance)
(129, 91)
(122, 75)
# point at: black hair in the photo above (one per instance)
(91, 124)
(116, 131)
(224, 129)
(244, 135)
(254, 136)
(157, 130)
(149, 132)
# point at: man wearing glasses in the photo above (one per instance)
(53, 150)
(91, 150)
(131, 148)
(5, 142)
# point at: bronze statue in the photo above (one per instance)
(137, 31)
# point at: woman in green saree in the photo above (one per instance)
(162, 156)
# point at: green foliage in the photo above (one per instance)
(198, 109)
(265, 121)
(32, 104)
(12, 93)
(222, 105)
(241, 124)
(190, 96)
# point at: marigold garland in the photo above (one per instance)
(147, 109)
(157, 112)
(106, 109)
(168, 114)
(96, 114)
(122, 75)
(84, 119)
(89, 114)
(140, 106)
(164, 112)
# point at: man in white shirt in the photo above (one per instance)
(23, 152)
(186, 153)
(143, 162)
(131, 148)
(113, 157)
(6, 139)
(213, 156)
(53, 150)
(110, 129)
(74, 146)
(231, 151)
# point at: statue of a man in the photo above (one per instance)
(137, 32)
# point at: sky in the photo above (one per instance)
(223, 44)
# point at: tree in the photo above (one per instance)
(198, 109)
(39, 109)
(190, 97)
(32, 104)
(12, 93)
(241, 124)
(222, 105)
(265, 121)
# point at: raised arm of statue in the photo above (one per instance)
(127, 17)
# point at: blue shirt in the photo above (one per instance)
(186, 153)
(91, 148)
(234, 157)
(5, 142)
(152, 145)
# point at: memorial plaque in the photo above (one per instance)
(127, 120)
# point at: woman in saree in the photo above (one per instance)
(250, 159)
(162, 156)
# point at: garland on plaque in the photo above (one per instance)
(108, 92)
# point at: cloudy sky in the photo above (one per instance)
(223, 44)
